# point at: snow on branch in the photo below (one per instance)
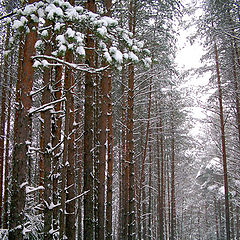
(71, 37)
(8, 15)
(79, 67)
(81, 195)
(52, 206)
(32, 189)
(45, 107)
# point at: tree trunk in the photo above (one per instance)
(109, 220)
(56, 132)
(6, 175)
(3, 118)
(96, 135)
(125, 186)
(158, 185)
(46, 147)
(138, 187)
(129, 139)
(22, 139)
(224, 155)
(88, 135)
(141, 192)
(129, 135)
(79, 163)
(102, 153)
(70, 207)
(173, 208)
(17, 101)
(169, 197)
(67, 223)
(62, 220)
(120, 175)
(160, 180)
(237, 222)
(144, 212)
(109, 234)
(150, 210)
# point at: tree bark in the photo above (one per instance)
(46, 146)
(160, 165)
(125, 186)
(56, 132)
(130, 149)
(22, 139)
(173, 207)
(70, 207)
(237, 222)
(79, 108)
(138, 187)
(120, 195)
(3, 118)
(17, 98)
(169, 196)
(129, 135)
(109, 224)
(6, 173)
(88, 135)
(102, 153)
(142, 193)
(96, 136)
(224, 155)
(150, 210)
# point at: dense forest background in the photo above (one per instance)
(96, 127)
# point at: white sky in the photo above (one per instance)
(189, 57)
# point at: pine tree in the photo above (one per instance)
(22, 138)
(88, 135)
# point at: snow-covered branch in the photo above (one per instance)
(45, 107)
(52, 206)
(79, 67)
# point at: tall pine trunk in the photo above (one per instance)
(22, 138)
(109, 209)
(224, 155)
(102, 153)
(46, 145)
(150, 209)
(88, 135)
(78, 143)
(173, 203)
(56, 132)
(142, 189)
(125, 168)
(3, 118)
(129, 135)
(70, 206)
(109, 223)
(237, 222)
(7, 150)
(160, 165)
